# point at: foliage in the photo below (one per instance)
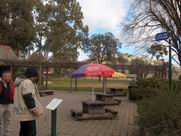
(59, 29)
(146, 88)
(36, 57)
(159, 110)
(160, 114)
(122, 59)
(53, 28)
(138, 61)
(102, 47)
(16, 24)
(158, 50)
(152, 16)
(152, 83)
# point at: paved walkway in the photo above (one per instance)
(67, 126)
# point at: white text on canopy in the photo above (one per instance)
(92, 68)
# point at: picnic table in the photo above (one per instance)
(94, 110)
(108, 99)
(93, 106)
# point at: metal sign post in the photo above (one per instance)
(54, 122)
(53, 107)
(170, 66)
(165, 36)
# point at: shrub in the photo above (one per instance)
(161, 113)
(146, 88)
(152, 83)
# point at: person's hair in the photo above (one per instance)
(31, 72)
(6, 73)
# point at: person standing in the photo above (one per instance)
(6, 99)
(27, 102)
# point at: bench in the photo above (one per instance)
(46, 92)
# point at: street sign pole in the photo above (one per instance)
(54, 122)
(165, 36)
(170, 66)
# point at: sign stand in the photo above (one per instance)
(170, 66)
(54, 122)
(53, 107)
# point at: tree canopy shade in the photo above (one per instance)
(52, 28)
(152, 16)
(102, 47)
(16, 24)
(59, 28)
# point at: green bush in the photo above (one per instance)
(146, 88)
(152, 83)
(161, 113)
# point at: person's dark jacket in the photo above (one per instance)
(6, 93)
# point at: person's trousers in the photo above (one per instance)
(27, 128)
(5, 118)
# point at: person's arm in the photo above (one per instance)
(27, 93)
(29, 101)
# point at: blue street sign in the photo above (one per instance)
(162, 36)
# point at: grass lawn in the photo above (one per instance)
(84, 84)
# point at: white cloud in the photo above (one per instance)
(104, 14)
(82, 56)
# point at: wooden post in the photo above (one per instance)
(104, 86)
(71, 79)
(46, 78)
(11, 70)
(40, 75)
(75, 84)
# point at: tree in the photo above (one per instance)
(151, 16)
(122, 59)
(158, 50)
(36, 57)
(102, 47)
(60, 30)
(16, 24)
(138, 61)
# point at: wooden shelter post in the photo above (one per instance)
(75, 84)
(71, 79)
(46, 78)
(40, 75)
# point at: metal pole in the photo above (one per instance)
(54, 123)
(170, 66)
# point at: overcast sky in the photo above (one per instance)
(104, 16)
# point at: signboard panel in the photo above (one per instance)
(162, 36)
(54, 104)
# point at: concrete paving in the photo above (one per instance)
(67, 126)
